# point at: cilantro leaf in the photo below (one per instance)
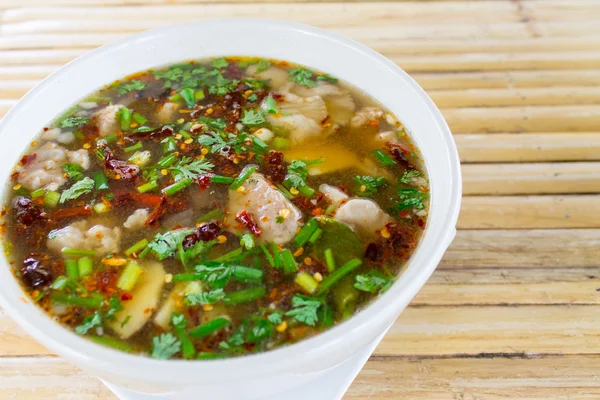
(256, 84)
(302, 76)
(368, 185)
(194, 299)
(298, 172)
(80, 187)
(89, 323)
(173, 74)
(262, 66)
(409, 175)
(73, 122)
(275, 318)
(327, 78)
(73, 171)
(178, 321)
(220, 63)
(165, 346)
(259, 329)
(114, 307)
(410, 198)
(213, 123)
(215, 275)
(247, 241)
(252, 117)
(131, 86)
(166, 244)
(222, 86)
(185, 169)
(373, 282)
(212, 140)
(252, 97)
(304, 310)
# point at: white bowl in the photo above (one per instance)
(252, 376)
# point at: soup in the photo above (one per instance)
(215, 208)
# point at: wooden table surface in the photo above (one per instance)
(513, 311)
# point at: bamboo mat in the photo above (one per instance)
(513, 310)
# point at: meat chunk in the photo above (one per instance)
(106, 120)
(100, 238)
(333, 194)
(137, 219)
(366, 115)
(311, 107)
(363, 215)
(264, 134)
(276, 76)
(167, 112)
(300, 128)
(264, 203)
(339, 102)
(45, 166)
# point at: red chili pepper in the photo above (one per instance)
(72, 212)
(245, 218)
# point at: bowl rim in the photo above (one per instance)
(75, 347)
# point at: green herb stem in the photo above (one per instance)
(339, 274)
(242, 177)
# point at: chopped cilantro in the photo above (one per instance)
(73, 122)
(252, 97)
(187, 169)
(131, 86)
(259, 329)
(80, 187)
(89, 323)
(302, 76)
(220, 63)
(275, 318)
(222, 86)
(217, 143)
(199, 248)
(298, 172)
(304, 309)
(373, 282)
(409, 175)
(166, 244)
(73, 171)
(172, 74)
(178, 321)
(213, 123)
(256, 84)
(327, 78)
(114, 307)
(279, 219)
(194, 299)
(247, 241)
(368, 185)
(215, 275)
(262, 66)
(252, 117)
(410, 198)
(165, 346)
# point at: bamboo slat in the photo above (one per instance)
(530, 212)
(536, 178)
(580, 118)
(506, 147)
(544, 248)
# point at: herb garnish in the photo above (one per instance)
(133, 85)
(304, 309)
(79, 188)
(165, 346)
(302, 76)
(73, 122)
(368, 185)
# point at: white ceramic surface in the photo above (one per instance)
(261, 375)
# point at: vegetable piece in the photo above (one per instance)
(144, 298)
(73, 122)
(209, 328)
(134, 147)
(306, 232)
(188, 96)
(85, 266)
(77, 189)
(51, 199)
(271, 105)
(244, 296)
(276, 255)
(174, 304)
(211, 297)
(38, 193)
(252, 118)
(289, 263)
(242, 177)
(216, 214)
(304, 309)
(165, 346)
(124, 118)
(101, 208)
(131, 86)
(59, 283)
(339, 274)
(187, 169)
(373, 282)
(73, 171)
(94, 300)
(92, 321)
(227, 180)
(383, 158)
(280, 143)
(315, 236)
(110, 342)
(100, 181)
(306, 282)
(199, 95)
(176, 187)
(129, 276)
(167, 161)
(139, 118)
(329, 260)
(71, 269)
(246, 274)
(136, 248)
(146, 187)
(179, 324)
(302, 77)
(343, 241)
(367, 186)
(345, 297)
